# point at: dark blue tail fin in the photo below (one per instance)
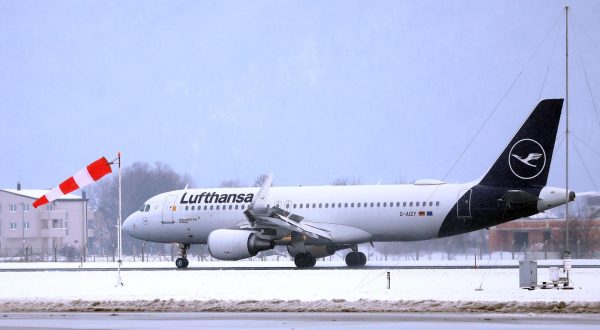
(526, 160)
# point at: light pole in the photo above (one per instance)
(23, 231)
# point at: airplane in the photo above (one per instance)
(317, 221)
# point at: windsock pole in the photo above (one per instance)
(119, 225)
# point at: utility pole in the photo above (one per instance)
(567, 247)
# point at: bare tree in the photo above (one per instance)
(344, 181)
(140, 182)
(230, 184)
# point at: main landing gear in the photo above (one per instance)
(182, 261)
(305, 260)
(356, 259)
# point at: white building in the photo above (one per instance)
(42, 231)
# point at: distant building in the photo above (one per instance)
(545, 233)
(25, 230)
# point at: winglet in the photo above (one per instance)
(259, 199)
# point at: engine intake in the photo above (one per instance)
(234, 244)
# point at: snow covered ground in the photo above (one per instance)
(293, 289)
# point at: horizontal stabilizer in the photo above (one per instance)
(519, 196)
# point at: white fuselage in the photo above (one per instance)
(388, 212)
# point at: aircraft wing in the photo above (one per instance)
(282, 219)
(284, 222)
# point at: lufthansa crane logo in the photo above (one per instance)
(527, 159)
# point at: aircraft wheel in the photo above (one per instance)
(356, 259)
(304, 260)
(181, 263)
(363, 259)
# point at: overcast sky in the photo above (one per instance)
(309, 90)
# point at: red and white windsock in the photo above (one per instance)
(84, 177)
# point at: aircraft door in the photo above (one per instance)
(169, 209)
(463, 205)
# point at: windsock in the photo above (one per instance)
(84, 177)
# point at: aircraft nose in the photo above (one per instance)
(129, 224)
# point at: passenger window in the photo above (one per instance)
(424, 204)
(437, 203)
(384, 204)
(345, 204)
(339, 204)
(372, 204)
(314, 205)
(411, 204)
(205, 207)
(236, 206)
(211, 207)
(217, 207)
(430, 203)
(326, 205)
(242, 207)
(351, 204)
(397, 204)
(186, 208)
(404, 204)
(357, 204)
(287, 206)
(193, 207)
(417, 204)
(294, 205)
(320, 205)
(378, 204)
(332, 205)
(230, 207)
(301, 205)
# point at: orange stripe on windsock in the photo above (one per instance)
(68, 185)
(40, 201)
(82, 178)
(99, 168)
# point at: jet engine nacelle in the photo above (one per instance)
(317, 251)
(234, 244)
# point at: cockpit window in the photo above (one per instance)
(142, 208)
(147, 208)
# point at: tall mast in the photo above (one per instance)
(567, 248)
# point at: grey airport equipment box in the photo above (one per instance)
(527, 274)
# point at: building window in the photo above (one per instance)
(13, 207)
(26, 225)
(25, 207)
(13, 226)
(49, 207)
(56, 223)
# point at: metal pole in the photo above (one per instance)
(23, 230)
(119, 280)
(567, 248)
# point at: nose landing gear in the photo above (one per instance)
(182, 261)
